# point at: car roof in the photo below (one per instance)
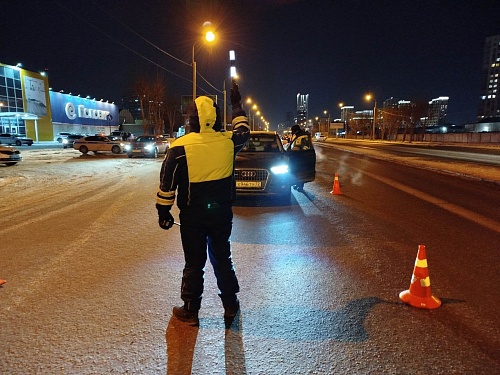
(262, 132)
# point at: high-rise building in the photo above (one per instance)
(489, 104)
(438, 109)
(302, 109)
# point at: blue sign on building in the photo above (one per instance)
(73, 110)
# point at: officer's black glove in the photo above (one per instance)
(165, 218)
(236, 101)
(235, 95)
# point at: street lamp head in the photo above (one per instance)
(210, 36)
(368, 97)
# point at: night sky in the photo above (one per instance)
(335, 51)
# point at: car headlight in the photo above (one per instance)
(128, 147)
(280, 169)
(148, 147)
(64, 140)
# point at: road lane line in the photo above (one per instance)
(457, 210)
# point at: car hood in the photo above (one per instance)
(259, 159)
(143, 143)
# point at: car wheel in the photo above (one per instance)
(116, 149)
(130, 155)
(19, 143)
(155, 153)
(83, 149)
(10, 164)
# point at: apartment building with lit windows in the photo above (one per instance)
(489, 104)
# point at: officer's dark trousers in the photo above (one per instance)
(202, 231)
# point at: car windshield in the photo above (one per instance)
(261, 143)
(145, 139)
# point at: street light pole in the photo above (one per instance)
(225, 105)
(369, 97)
(209, 37)
(194, 76)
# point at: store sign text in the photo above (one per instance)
(82, 112)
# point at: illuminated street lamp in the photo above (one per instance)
(368, 98)
(209, 37)
(328, 123)
(232, 74)
(254, 107)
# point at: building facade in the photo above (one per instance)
(489, 103)
(438, 109)
(24, 103)
(29, 107)
(302, 109)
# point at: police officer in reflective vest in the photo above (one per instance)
(199, 168)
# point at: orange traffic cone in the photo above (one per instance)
(2, 281)
(419, 294)
(336, 186)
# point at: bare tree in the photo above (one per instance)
(390, 121)
(141, 89)
(422, 114)
(151, 95)
(172, 113)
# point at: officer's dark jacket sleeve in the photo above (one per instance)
(199, 167)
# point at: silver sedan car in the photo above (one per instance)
(10, 155)
(98, 143)
(147, 145)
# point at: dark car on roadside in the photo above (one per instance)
(147, 145)
(264, 168)
(70, 139)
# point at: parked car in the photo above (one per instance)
(147, 145)
(320, 137)
(15, 139)
(125, 136)
(70, 139)
(263, 167)
(10, 155)
(97, 143)
(60, 136)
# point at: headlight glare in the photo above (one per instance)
(280, 169)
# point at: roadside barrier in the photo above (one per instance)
(419, 295)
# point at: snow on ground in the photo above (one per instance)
(45, 166)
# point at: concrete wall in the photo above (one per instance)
(491, 137)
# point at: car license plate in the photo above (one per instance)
(247, 184)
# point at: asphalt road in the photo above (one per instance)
(91, 279)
